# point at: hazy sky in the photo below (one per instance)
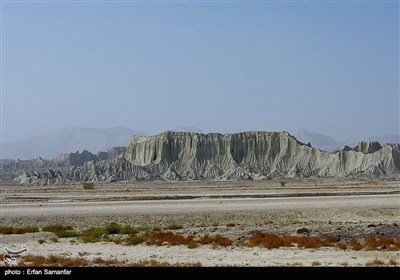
(330, 67)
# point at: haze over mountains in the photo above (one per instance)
(327, 143)
(72, 139)
(68, 140)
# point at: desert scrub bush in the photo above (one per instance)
(134, 239)
(97, 234)
(215, 240)
(341, 246)
(392, 262)
(59, 261)
(375, 262)
(52, 260)
(355, 245)
(283, 183)
(267, 240)
(371, 242)
(231, 225)
(56, 228)
(113, 228)
(130, 230)
(160, 238)
(66, 234)
(316, 263)
(170, 238)
(111, 262)
(88, 185)
(155, 263)
(271, 241)
(175, 226)
(382, 242)
(41, 241)
(94, 234)
(329, 239)
(18, 230)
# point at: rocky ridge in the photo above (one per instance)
(214, 156)
(9, 169)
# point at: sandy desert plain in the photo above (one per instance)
(276, 222)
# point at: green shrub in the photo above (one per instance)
(66, 234)
(113, 228)
(16, 230)
(175, 226)
(56, 228)
(88, 185)
(130, 230)
(94, 234)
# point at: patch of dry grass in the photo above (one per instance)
(56, 228)
(375, 262)
(175, 226)
(191, 241)
(155, 263)
(134, 239)
(315, 263)
(18, 230)
(52, 260)
(59, 261)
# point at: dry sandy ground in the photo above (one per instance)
(349, 209)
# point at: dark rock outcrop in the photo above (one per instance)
(368, 147)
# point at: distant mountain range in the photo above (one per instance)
(323, 142)
(67, 140)
(327, 143)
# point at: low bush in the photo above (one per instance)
(88, 185)
(18, 230)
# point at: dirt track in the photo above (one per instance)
(198, 206)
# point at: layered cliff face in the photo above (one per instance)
(247, 155)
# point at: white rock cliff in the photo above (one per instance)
(246, 155)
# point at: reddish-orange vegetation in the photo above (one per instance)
(52, 261)
(371, 242)
(154, 263)
(40, 261)
(381, 242)
(271, 241)
(160, 238)
(341, 246)
(231, 225)
(355, 245)
(170, 238)
(111, 262)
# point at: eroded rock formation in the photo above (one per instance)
(246, 155)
